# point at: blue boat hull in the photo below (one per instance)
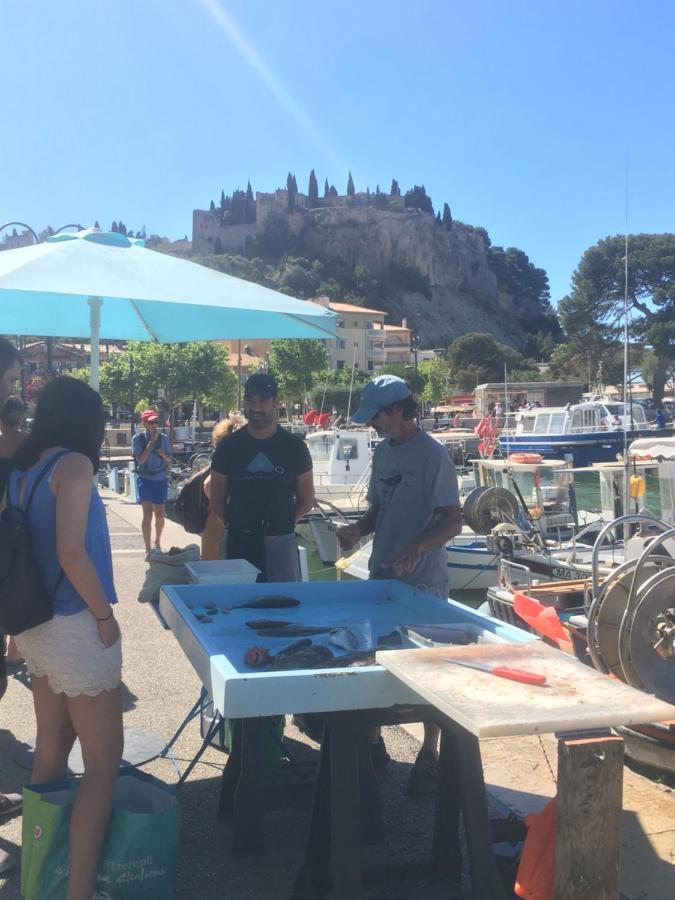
(588, 448)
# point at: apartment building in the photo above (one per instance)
(397, 343)
(362, 338)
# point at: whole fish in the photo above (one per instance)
(265, 623)
(312, 657)
(292, 630)
(269, 602)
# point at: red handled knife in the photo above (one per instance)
(501, 671)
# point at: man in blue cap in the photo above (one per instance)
(413, 511)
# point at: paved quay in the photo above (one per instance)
(160, 686)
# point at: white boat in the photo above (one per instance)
(341, 465)
(586, 433)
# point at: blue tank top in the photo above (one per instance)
(42, 521)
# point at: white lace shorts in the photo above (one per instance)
(69, 651)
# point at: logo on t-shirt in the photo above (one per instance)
(260, 465)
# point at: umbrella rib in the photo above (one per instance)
(143, 322)
(312, 324)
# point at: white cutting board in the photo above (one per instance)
(575, 696)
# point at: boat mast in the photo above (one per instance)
(626, 467)
(351, 383)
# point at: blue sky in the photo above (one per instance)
(519, 114)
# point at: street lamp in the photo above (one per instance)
(414, 346)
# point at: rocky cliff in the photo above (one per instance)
(465, 293)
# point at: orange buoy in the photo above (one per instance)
(526, 457)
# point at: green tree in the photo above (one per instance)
(436, 374)
(313, 191)
(350, 186)
(290, 192)
(297, 364)
(417, 198)
(332, 191)
(276, 237)
(326, 190)
(222, 199)
(250, 204)
(447, 217)
(395, 190)
(212, 207)
(476, 358)
(596, 303)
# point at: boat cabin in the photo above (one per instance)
(339, 457)
(581, 418)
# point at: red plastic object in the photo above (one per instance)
(542, 619)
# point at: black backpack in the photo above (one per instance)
(191, 508)
(24, 599)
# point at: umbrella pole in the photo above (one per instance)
(94, 333)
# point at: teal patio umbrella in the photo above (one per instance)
(106, 285)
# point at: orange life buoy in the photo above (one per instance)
(526, 457)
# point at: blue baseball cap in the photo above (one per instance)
(378, 393)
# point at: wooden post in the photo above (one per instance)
(588, 818)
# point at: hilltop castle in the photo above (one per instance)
(212, 233)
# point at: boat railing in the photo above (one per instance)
(508, 569)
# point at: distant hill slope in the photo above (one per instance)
(446, 281)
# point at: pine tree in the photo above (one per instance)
(313, 191)
(326, 191)
(333, 191)
(295, 186)
(447, 218)
(222, 199)
(96, 225)
(395, 189)
(212, 208)
(438, 217)
(350, 186)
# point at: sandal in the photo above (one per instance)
(10, 804)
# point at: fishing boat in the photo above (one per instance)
(585, 433)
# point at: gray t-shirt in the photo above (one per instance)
(408, 483)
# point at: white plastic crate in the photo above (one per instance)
(222, 571)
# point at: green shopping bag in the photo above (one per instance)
(139, 853)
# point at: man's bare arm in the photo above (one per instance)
(304, 494)
(215, 524)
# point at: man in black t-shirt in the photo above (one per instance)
(261, 484)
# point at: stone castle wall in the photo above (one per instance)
(207, 229)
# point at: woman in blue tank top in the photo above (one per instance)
(75, 659)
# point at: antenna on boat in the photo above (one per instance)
(506, 410)
(351, 383)
(323, 399)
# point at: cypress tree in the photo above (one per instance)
(295, 186)
(113, 227)
(290, 196)
(96, 225)
(326, 191)
(350, 186)
(395, 189)
(250, 204)
(313, 190)
(333, 191)
(447, 217)
(212, 208)
(222, 199)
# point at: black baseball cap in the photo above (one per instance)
(262, 384)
